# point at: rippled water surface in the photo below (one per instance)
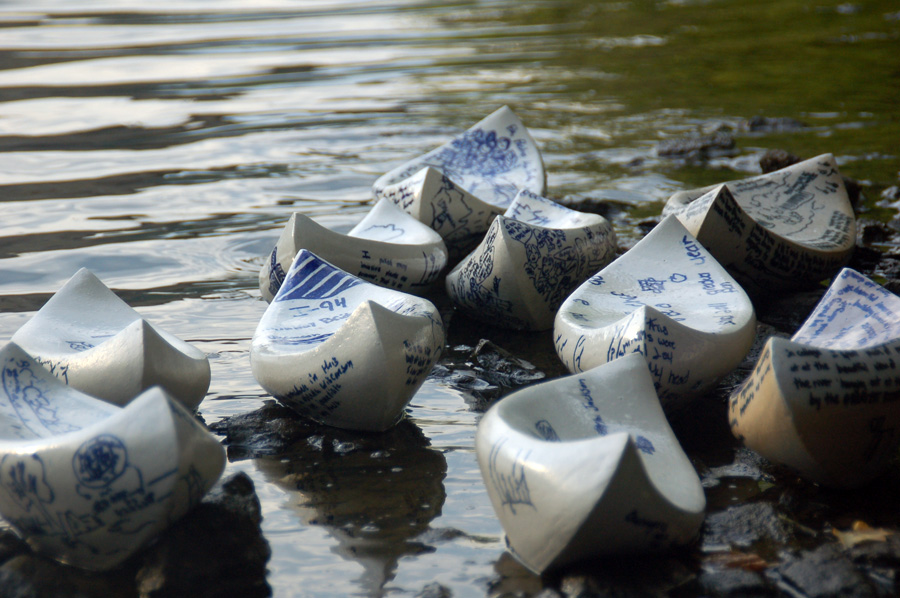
(164, 144)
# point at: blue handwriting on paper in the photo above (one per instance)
(26, 394)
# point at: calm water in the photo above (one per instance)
(164, 144)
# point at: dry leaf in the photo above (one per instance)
(860, 531)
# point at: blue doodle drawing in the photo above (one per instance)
(26, 394)
(652, 285)
(100, 461)
(24, 478)
(276, 272)
(387, 232)
(511, 485)
(79, 345)
(545, 430)
(556, 264)
(644, 445)
(477, 151)
(313, 278)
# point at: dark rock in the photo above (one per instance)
(872, 231)
(627, 577)
(697, 147)
(735, 583)
(11, 545)
(769, 124)
(32, 576)
(217, 551)
(486, 372)
(270, 430)
(775, 159)
(787, 311)
(744, 525)
(823, 573)
(434, 590)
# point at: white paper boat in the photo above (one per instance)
(493, 160)
(826, 402)
(669, 300)
(587, 465)
(530, 259)
(88, 482)
(786, 229)
(388, 248)
(95, 343)
(459, 217)
(342, 351)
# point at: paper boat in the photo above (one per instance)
(94, 342)
(342, 351)
(826, 402)
(530, 259)
(88, 482)
(459, 217)
(669, 300)
(493, 160)
(587, 465)
(388, 248)
(787, 229)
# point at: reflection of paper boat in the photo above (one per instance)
(342, 351)
(388, 247)
(826, 402)
(90, 483)
(431, 197)
(96, 343)
(587, 465)
(529, 260)
(493, 160)
(375, 494)
(785, 229)
(667, 299)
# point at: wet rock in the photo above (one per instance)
(11, 545)
(823, 573)
(872, 231)
(735, 583)
(744, 525)
(626, 577)
(270, 430)
(434, 590)
(776, 159)
(770, 124)
(31, 576)
(485, 372)
(697, 147)
(889, 196)
(215, 552)
(786, 312)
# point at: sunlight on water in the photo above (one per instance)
(164, 144)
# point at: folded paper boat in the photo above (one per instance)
(388, 247)
(483, 169)
(786, 229)
(530, 259)
(342, 351)
(88, 482)
(670, 301)
(94, 342)
(826, 402)
(586, 466)
(431, 197)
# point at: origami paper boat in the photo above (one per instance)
(459, 217)
(786, 229)
(530, 259)
(388, 248)
(88, 482)
(670, 301)
(342, 351)
(587, 465)
(826, 402)
(493, 160)
(94, 342)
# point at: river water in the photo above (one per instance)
(164, 144)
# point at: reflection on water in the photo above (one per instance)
(164, 144)
(376, 494)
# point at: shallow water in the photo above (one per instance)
(164, 144)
